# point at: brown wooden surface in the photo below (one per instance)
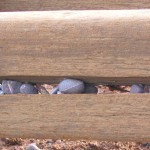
(28, 5)
(92, 45)
(117, 117)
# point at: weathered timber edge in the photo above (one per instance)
(38, 5)
(118, 117)
(101, 44)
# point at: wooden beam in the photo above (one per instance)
(117, 117)
(103, 44)
(36, 5)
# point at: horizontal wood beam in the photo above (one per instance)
(36, 5)
(103, 44)
(117, 117)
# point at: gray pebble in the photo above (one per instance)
(28, 89)
(1, 92)
(147, 89)
(11, 87)
(32, 147)
(137, 88)
(0, 86)
(71, 86)
(90, 89)
(147, 145)
(54, 90)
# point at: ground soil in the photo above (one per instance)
(49, 144)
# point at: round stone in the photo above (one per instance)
(147, 89)
(54, 90)
(137, 88)
(28, 89)
(90, 89)
(1, 92)
(0, 86)
(11, 87)
(32, 147)
(71, 86)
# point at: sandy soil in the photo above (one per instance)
(49, 144)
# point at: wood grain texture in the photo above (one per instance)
(117, 117)
(36, 5)
(108, 45)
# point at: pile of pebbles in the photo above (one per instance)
(16, 87)
(66, 86)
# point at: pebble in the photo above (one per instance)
(71, 86)
(54, 90)
(90, 89)
(147, 89)
(32, 147)
(58, 92)
(11, 87)
(28, 89)
(0, 86)
(137, 88)
(147, 145)
(58, 141)
(1, 92)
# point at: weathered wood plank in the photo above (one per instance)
(118, 117)
(82, 44)
(36, 5)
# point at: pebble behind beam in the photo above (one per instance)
(32, 147)
(137, 88)
(90, 89)
(11, 87)
(71, 86)
(28, 89)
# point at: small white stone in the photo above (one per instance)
(32, 147)
(58, 92)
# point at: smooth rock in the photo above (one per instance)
(137, 88)
(32, 147)
(90, 89)
(71, 86)
(11, 87)
(0, 86)
(28, 89)
(54, 90)
(147, 145)
(147, 89)
(1, 92)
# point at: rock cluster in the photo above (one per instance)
(66, 86)
(16, 87)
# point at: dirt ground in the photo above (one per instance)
(49, 144)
